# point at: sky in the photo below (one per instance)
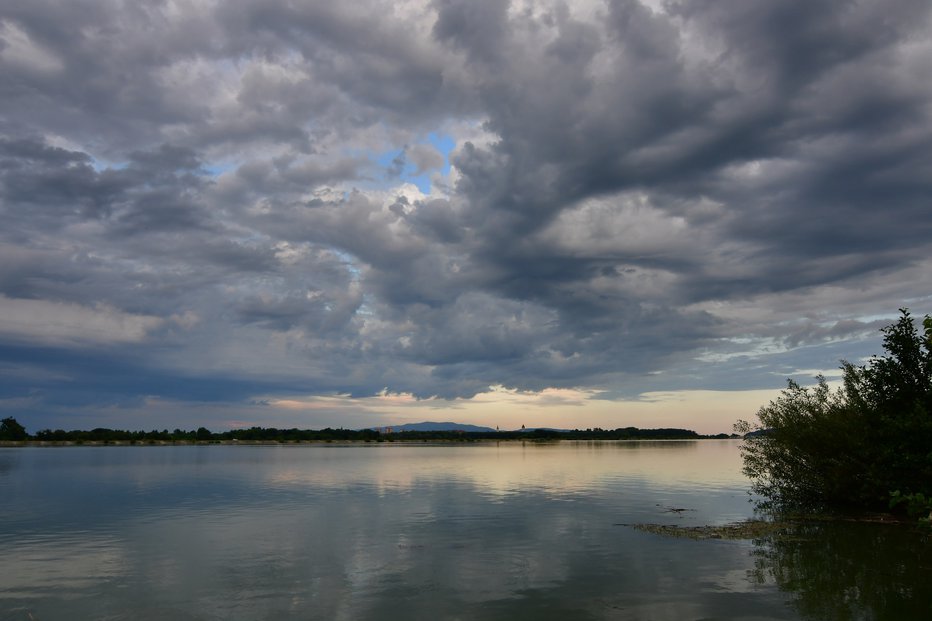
(565, 214)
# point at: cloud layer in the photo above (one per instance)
(222, 202)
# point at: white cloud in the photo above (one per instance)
(56, 323)
(425, 157)
(19, 50)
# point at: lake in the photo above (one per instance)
(510, 530)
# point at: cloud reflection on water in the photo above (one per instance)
(509, 531)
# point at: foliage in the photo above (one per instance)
(853, 446)
(262, 434)
(12, 430)
(105, 435)
(917, 505)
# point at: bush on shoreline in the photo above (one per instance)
(867, 445)
(11, 430)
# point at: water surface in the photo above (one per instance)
(505, 530)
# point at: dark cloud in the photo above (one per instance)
(658, 122)
(635, 191)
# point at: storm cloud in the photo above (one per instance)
(215, 203)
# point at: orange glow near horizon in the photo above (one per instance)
(704, 411)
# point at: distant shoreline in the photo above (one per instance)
(399, 441)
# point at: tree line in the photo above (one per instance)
(10, 429)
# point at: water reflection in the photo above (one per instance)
(507, 467)
(486, 532)
(850, 570)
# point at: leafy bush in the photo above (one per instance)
(12, 430)
(917, 505)
(853, 446)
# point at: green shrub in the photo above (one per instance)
(853, 446)
(10, 429)
(917, 505)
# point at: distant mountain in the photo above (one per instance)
(432, 426)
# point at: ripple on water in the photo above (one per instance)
(440, 532)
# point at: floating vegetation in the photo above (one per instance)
(751, 529)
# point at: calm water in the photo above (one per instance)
(390, 531)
